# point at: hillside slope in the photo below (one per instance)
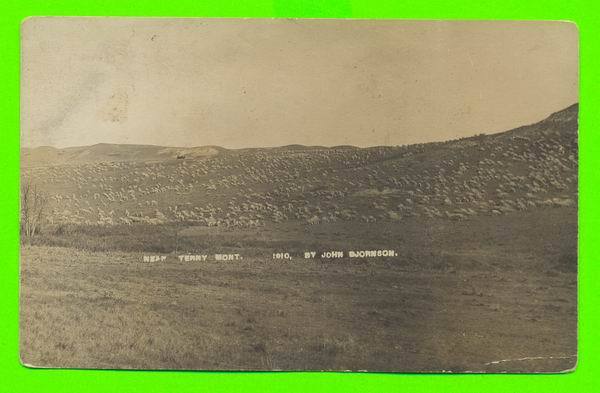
(530, 167)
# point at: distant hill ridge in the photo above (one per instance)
(527, 168)
(108, 152)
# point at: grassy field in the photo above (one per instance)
(484, 228)
(492, 293)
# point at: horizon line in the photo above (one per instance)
(296, 144)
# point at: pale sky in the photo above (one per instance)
(270, 82)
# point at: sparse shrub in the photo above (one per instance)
(33, 210)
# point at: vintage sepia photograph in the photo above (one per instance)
(299, 194)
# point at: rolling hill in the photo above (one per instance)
(529, 167)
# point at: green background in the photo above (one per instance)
(16, 378)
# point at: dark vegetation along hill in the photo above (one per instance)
(526, 168)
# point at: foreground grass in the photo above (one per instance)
(469, 296)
